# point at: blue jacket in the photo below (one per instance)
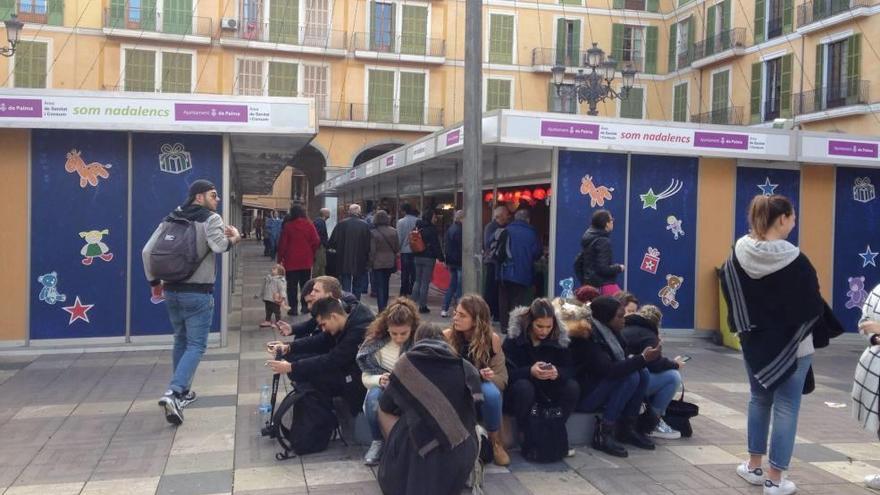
(453, 245)
(524, 250)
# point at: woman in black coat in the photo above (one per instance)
(426, 259)
(596, 267)
(538, 362)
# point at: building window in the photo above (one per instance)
(317, 22)
(774, 18)
(251, 19)
(498, 94)
(414, 29)
(176, 72)
(679, 102)
(382, 27)
(316, 85)
(140, 70)
(501, 38)
(561, 103)
(396, 96)
(412, 98)
(835, 77)
(772, 89)
(632, 107)
(284, 21)
(380, 95)
(568, 42)
(30, 64)
(35, 11)
(720, 97)
(283, 79)
(250, 77)
(176, 15)
(684, 41)
(634, 4)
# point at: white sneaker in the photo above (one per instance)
(753, 476)
(873, 481)
(664, 431)
(374, 453)
(785, 487)
(444, 314)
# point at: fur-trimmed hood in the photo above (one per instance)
(515, 328)
(575, 316)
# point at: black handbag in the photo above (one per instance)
(546, 439)
(679, 413)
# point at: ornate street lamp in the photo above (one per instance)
(594, 86)
(13, 31)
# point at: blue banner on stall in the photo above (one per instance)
(79, 197)
(164, 165)
(856, 242)
(660, 266)
(752, 181)
(587, 181)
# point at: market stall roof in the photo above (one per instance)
(518, 148)
(265, 133)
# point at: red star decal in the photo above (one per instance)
(78, 311)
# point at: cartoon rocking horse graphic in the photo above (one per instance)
(597, 195)
(88, 174)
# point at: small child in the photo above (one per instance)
(274, 294)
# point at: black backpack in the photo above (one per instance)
(546, 439)
(303, 423)
(175, 255)
(499, 246)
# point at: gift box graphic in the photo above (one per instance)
(863, 190)
(651, 261)
(174, 159)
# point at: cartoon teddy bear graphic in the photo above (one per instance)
(95, 247)
(667, 293)
(567, 285)
(856, 294)
(49, 293)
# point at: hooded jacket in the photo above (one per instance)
(594, 361)
(524, 250)
(297, 245)
(598, 268)
(310, 326)
(453, 245)
(520, 354)
(432, 241)
(210, 237)
(640, 333)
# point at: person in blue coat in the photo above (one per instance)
(517, 273)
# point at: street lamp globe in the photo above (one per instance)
(629, 77)
(558, 74)
(608, 68)
(13, 29)
(595, 56)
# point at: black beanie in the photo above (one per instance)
(604, 308)
(199, 186)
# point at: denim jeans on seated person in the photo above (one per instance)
(620, 397)
(661, 389)
(191, 314)
(371, 411)
(490, 410)
(784, 402)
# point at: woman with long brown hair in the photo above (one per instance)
(473, 338)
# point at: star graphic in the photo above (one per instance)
(767, 188)
(78, 311)
(649, 199)
(868, 257)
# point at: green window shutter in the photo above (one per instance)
(683, 2)
(653, 6)
(117, 14)
(501, 39)
(30, 64)
(177, 17)
(651, 49)
(55, 12)
(760, 15)
(853, 63)
(284, 21)
(725, 15)
(785, 92)
(146, 15)
(497, 94)
(176, 72)
(7, 8)
(720, 90)
(617, 4)
(692, 38)
(574, 51)
(755, 100)
(412, 98)
(617, 42)
(787, 15)
(414, 30)
(710, 31)
(679, 104)
(140, 70)
(818, 87)
(283, 78)
(631, 106)
(381, 96)
(673, 46)
(560, 41)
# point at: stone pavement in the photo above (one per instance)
(88, 423)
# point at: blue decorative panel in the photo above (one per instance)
(751, 181)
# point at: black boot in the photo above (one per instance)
(603, 439)
(628, 432)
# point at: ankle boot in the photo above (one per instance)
(603, 439)
(628, 432)
(498, 453)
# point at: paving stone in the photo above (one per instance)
(812, 452)
(503, 484)
(679, 478)
(208, 461)
(128, 486)
(853, 472)
(213, 401)
(858, 451)
(45, 411)
(205, 483)
(566, 482)
(329, 473)
(211, 429)
(630, 481)
(280, 476)
(42, 489)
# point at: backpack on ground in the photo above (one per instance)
(546, 439)
(305, 423)
(175, 254)
(499, 246)
(416, 243)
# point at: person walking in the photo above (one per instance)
(190, 300)
(384, 247)
(453, 263)
(351, 240)
(517, 274)
(407, 260)
(500, 219)
(296, 251)
(772, 291)
(597, 269)
(425, 260)
(319, 268)
(259, 221)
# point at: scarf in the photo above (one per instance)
(366, 356)
(606, 336)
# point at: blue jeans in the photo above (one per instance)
(661, 389)
(619, 397)
(454, 290)
(785, 403)
(371, 411)
(424, 273)
(490, 410)
(380, 279)
(356, 283)
(407, 273)
(191, 314)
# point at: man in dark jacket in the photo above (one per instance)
(453, 263)
(320, 266)
(517, 274)
(500, 219)
(351, 240)
(327, 360)
(596, 267)
(316, 289)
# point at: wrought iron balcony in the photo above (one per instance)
(725, 116)
(849, 92)
(289, 33)
(404, 44)
(817, 10)
(126, 17)
(384, 112)
(725, 40)
(548, 57)
(36, 12)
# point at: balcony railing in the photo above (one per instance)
(39, 12)
(289, 34)
(818, 10)
(848, 92)
(383, 113)
(725, 40)
(725, 116)
(684, 59)
(171, 22)
(552, 56)
(405, 44)
(774, 27)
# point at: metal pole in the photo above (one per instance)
(472, 263)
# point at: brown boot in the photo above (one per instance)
(498, 453)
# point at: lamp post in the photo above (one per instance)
(594, 86)
(13, 31)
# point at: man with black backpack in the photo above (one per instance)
(177, 259)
